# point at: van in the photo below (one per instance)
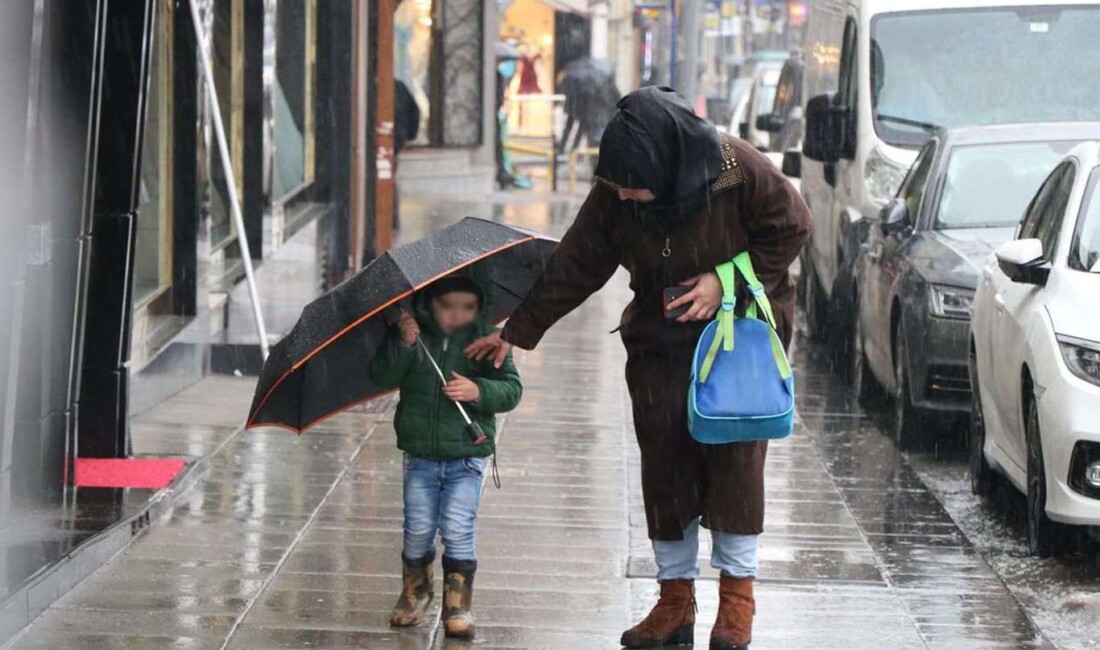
(881, 75)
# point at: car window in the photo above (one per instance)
(989, 185)
(1044, 216)
(1084, 252)
(912, 188)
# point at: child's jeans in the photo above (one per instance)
(734, 555)
(441, 496)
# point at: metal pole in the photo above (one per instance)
(691, 23)
(230, 180)
(673, 58)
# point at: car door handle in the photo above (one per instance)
(987, 274)
(999, 301)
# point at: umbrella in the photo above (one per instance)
(587, 80)
(320, 368)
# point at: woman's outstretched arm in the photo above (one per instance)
(582, 263)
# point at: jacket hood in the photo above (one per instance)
(422, 310)
(954, 257)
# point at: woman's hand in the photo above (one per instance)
(490, 346)
(409, 329)
(705, 297)
(461, 389)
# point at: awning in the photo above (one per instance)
(579, 7)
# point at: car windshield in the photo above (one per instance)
(990, 185)
(983, 66)
(1084, 253)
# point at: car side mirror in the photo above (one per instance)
(792, 163)
(770, 123)
(821, 136)
(1022, 261)
(894, 217)
(743, 130)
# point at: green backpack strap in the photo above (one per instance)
(724, 336)
(744, 265)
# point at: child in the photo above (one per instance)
(443, 467)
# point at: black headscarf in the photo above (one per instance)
(656, 141)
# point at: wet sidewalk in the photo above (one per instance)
(295, 542)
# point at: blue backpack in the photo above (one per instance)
(742, 388)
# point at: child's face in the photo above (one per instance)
(453, 310)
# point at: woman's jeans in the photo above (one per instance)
(441, 496)
(734, 555)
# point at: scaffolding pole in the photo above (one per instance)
(230, 179)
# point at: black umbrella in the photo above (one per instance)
(320, 368)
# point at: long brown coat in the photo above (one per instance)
(753, 207)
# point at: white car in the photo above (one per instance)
(1035, 356)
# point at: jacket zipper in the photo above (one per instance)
(439, 409)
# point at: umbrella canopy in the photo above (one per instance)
(589, 88)
(320, 368)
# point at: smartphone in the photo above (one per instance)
(670, 294)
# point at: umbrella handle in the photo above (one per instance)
(476, 433)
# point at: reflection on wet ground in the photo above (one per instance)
(295, 542)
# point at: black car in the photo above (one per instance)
(916, 275)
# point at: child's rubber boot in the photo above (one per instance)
(458, 595)
(671, 622)
(416, 594)
(736, 608)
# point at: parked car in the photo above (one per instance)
(881, 74)
(916, 277)
(783, 122)
(756, 102)
(1035, 364)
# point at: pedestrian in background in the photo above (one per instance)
(672, 201)
(443, 467)
(406, 126)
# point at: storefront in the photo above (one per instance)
(548, 35)
(286, 102)
(438, 55)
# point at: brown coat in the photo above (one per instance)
(753, 207)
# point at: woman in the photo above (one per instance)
(673, 199)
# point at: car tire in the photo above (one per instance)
(910, 423)
(814, 306)
(981, 474)
(1044, 537)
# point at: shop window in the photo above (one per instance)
(290, 54)
(153, 255)
(438, 55)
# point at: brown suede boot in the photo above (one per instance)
(736, 607)
(671, 621)
(458, 595)
(416, 576)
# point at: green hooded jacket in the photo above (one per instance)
(428, 424)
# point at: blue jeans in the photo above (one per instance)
(734, 555)
(441, 496)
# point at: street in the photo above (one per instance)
(294, 542)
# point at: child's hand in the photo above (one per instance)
(410, 331)
(461, 389)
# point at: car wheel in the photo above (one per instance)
(1043, 535)
(909, 422)
(981, 474)
(813, 302)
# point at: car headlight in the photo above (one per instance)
(1082, 358)
(882, 177)
(950, 302)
